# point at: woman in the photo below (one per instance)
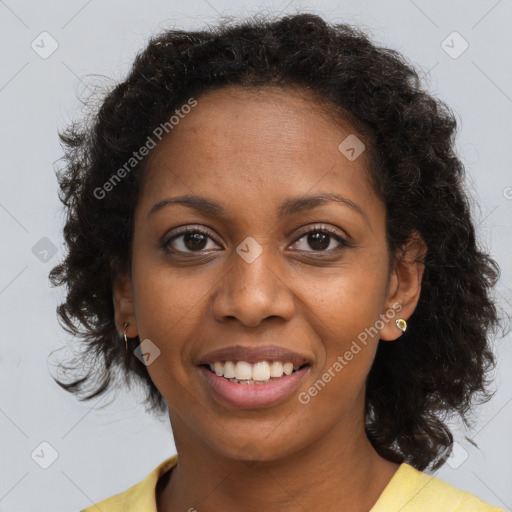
(267, 228)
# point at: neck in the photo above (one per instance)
(327, 475)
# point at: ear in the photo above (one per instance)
(404, 285)
(124, 311)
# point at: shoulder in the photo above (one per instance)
(140, 497)
(411, 490)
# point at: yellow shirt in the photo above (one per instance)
(409, 490)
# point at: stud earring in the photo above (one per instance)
(401, 324)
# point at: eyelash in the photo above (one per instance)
(315, 229)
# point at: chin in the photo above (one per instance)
(258, 446)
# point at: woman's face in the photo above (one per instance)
(258, 275)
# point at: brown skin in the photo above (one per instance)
(251, 150)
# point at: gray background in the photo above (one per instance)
(103, 452)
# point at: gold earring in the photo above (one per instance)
(401, 324)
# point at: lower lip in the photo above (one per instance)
(253, 396)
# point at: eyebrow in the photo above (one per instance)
(286, 208)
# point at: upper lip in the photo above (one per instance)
(254, 355)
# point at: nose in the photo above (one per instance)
(252, 291)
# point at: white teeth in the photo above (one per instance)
(262, 371)
(229, 369)
(243, 371)
(276, 369)
(288, 368)
(218, 368)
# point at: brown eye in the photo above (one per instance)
(320, 239)
(192, 239)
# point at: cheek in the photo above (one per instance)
(348, 323)
(166, 299)
(351, 299)
(346, 354)
(162, 314)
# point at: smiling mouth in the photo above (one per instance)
(259, 373)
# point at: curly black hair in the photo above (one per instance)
(442, 363)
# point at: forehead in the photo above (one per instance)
(245, 142)
(293, 112)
